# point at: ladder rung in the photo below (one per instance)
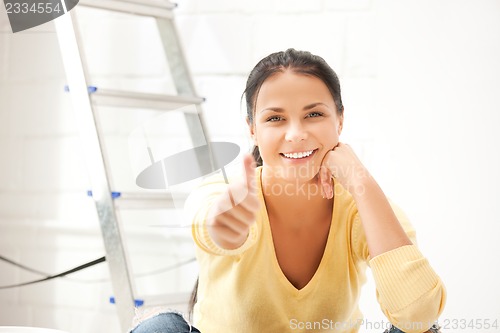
(118, 98)
(151, 8)
(148, 200)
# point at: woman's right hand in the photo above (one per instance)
(235, 210)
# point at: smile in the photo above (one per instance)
(299, 155)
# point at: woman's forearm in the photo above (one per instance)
(382, 228)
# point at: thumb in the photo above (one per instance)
(249, 168)
(246, 184)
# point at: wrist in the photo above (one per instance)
(360, 183)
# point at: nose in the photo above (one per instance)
(295, 132)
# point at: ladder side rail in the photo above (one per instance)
(67, 32)
(184, 84)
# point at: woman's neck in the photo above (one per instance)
(299, 204)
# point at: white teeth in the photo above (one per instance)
(299, 155)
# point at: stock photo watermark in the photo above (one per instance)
(26, 14)
(296, 186)
(331, 325)
(461, 324)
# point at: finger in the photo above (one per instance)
(327, 174)
(242, 215)
(325, 181)
(250, 204)
(322, 171)
(228, 222)
(226, 233)
(320, 184)
(246, 185)
(330, 186)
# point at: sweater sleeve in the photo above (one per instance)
(197, 208)
(410, 293)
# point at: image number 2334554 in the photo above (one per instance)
(26, 14)
(36, 8)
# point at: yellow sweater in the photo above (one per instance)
(245, 290)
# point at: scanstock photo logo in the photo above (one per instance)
(26, 14)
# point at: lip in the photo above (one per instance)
(298, 160)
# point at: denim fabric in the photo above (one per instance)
(171, 322)
(168, 322)
(393, 329)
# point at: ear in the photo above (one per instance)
(340, 124)
(251, 129)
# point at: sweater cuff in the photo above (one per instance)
(402, 276)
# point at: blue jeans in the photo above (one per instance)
(171, 322)
(393, 329)
(167, 322)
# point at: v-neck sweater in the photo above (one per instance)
(245, 290)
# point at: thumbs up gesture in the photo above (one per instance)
(235, 210)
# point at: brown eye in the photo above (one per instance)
(274, 118)
(315, 114)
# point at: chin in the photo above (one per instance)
(300, 174)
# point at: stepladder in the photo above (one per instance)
(134, 110)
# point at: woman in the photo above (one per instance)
(285, 248)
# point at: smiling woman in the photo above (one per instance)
(286, 246)
(297, 122)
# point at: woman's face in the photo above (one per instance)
(295, 125)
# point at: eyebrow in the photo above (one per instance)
(305, 108)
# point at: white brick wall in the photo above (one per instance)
(207, 36)
(322, 33)
(420, 85)
(355, 5)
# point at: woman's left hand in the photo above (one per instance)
(342, 164)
